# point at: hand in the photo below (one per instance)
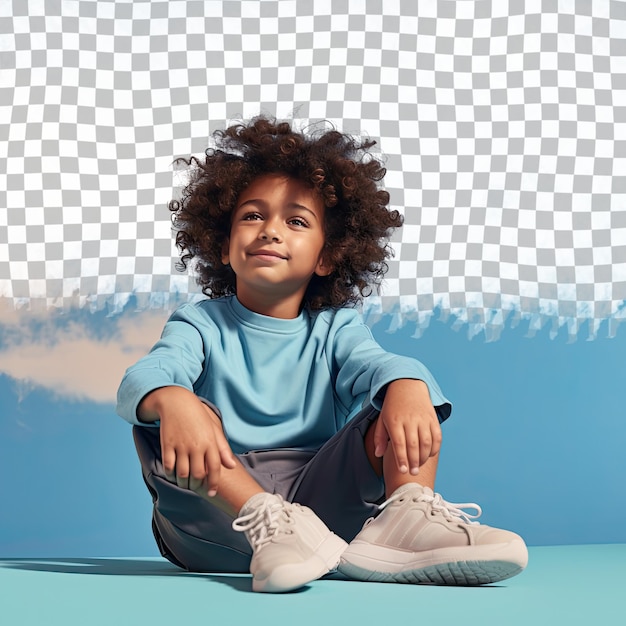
(409, 421)
(193, 445)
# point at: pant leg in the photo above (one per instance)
(189, 531)
(339, 483)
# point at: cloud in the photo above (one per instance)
(78, 357)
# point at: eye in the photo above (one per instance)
(249, 217)
(299, 221)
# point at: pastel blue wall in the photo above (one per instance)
(538, 432)
(536, 438)
(494, 119)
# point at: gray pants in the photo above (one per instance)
(337, 482)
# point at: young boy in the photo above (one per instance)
(270, 403)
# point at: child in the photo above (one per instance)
(271, 404)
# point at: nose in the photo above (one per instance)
(270, 232)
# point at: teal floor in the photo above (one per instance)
(563, 585)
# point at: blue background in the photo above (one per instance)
(536, 437)
(537, 431)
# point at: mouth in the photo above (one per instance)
(267, 254)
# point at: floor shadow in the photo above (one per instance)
(153, 567)
(243, 583)
(127, 567)
(100, 566)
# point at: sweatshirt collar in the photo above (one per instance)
(265, 322)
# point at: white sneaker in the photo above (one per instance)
(420, 538)
(291, 546)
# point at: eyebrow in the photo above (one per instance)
(290, 205)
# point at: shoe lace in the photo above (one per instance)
(452, 511)
(264, 523)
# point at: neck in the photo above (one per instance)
(265, 304)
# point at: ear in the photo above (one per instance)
(225, 251)
(322, 268)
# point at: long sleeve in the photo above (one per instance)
(363, 368)
(177, 359)
(277, 383)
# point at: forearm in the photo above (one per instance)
(155, 403)
(410, 385)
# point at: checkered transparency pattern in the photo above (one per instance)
(502, 126)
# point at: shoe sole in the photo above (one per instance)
(467, 566)
(293, 576)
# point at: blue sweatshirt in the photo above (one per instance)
(278, 383)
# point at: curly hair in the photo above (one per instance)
(340, 168)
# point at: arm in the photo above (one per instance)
(160, 387)
(179, 358)
(401, 388)
(193, 445)
(408, 420)
(364, 370)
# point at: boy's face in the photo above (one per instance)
(275, 245)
